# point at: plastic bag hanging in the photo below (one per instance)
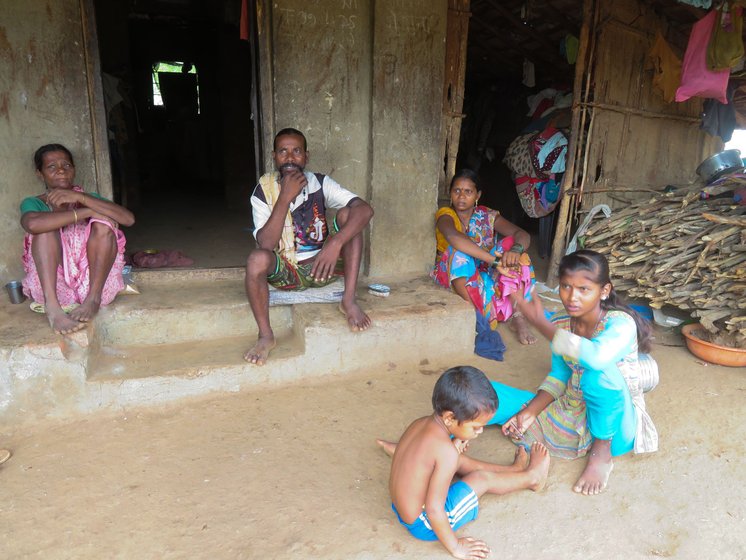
(725, 48)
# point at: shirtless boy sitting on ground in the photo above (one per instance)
(431, 452)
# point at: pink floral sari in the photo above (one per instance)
(73, 280)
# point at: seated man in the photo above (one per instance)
(295, 247)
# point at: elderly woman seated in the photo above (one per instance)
(73, 248)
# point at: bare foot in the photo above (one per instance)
(388, 446)
(596, 474)
(61, 323)
(356, 317)
(538, 466)
(521, 458)
(519, 326)
(86, 310)
(259, 352)
(4, 455)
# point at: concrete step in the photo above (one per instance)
(181, 312)
(181, 338)
(188, 359)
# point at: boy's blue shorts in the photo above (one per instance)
(461, 506)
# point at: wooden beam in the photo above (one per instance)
(558, 14)
(534, 56)
(527, 32)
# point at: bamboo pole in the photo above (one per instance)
(567, 202)
(642, 112)
(586, 153)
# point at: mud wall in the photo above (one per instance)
(363, 80)
(43, 99)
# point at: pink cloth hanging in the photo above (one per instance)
(696, 79)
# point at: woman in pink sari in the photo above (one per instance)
(73, 249)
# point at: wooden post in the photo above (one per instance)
(457, 34)
(565, 213)
(266, 79)
(256, 107)
(97, 111)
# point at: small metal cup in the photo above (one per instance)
(15, 292)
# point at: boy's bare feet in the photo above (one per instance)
(356, 317)
(388, 446)
(258, 353)
(596, 474)
(538, 466)
(86, 310)
(61, 323)
(519, 326)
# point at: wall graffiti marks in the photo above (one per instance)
(290, 20)
(403, 24)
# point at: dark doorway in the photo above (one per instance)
(517, 57)
(178, 87)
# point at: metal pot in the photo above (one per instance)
(727, 161)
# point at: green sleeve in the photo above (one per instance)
(33, 204)
(96, 195)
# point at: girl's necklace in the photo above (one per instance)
(573, 324)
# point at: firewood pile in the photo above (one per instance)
(680, 250)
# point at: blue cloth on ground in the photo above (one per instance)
(462, 506)
(488, 343)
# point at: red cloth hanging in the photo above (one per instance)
(244, 26)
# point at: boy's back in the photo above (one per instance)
(424, 444)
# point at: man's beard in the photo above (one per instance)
(288, 166)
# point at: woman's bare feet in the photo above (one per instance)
(356, 317)
(519, 326)
(258, 353)
(538, 466)
(61, 323)
(87, 310)
(388, 446)
(595, 477)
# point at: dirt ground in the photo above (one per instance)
(295, 473)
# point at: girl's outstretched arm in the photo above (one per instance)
(533, 311)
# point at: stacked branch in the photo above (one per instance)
(680, 250)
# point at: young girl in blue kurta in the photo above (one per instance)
(591, 403)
